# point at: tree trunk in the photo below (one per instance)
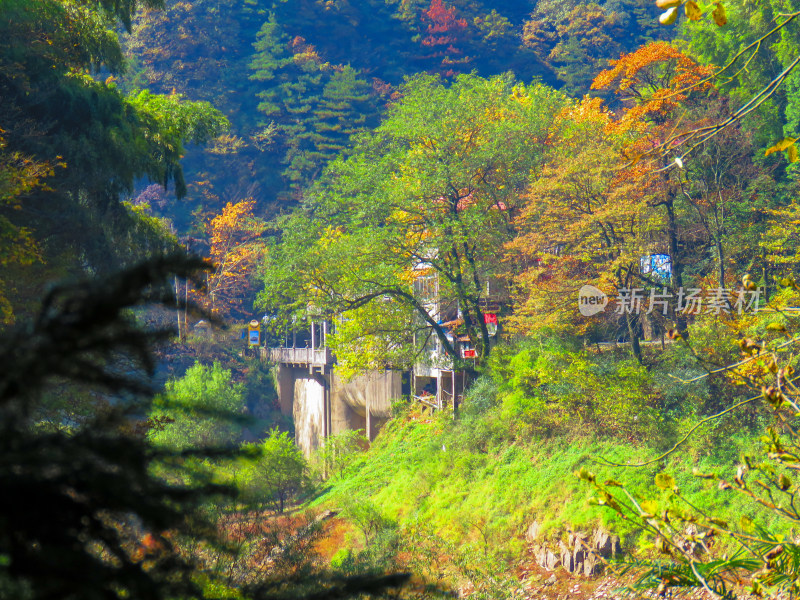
(186, 306)
(634, 335)
(676, 267)
(178, 307)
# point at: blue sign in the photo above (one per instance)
(254, 337)
(657, 264)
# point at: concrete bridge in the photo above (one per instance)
(322, 403)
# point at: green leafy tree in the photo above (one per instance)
(97, 139)
(431, 191)
(376, 336)
(196, 411)
(746, 22)
(279, 474)
(341, 450)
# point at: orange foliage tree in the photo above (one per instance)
(653, 83)
(445, 32)
(663, 93)
(236, 242)
(668, 97)
(585, 220)
(596, 208)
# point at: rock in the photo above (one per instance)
(325, 515)
(533, 532)
(551, 561)
(579, 553)
(567, 562)
(579, 556)
(605, 544)
(591, 566)
(551, 580)
(577, 539)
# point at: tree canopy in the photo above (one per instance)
(432, 190)
(62, 110)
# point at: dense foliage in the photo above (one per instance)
(440, 182)
(91, 140)
(431, 191)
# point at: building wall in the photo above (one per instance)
(365, 401)
(284, 383)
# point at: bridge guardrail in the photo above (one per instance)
(300, 356)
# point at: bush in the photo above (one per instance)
(279, 474)
(695, 544)
(339, 451)
(198, 410)
(546, 387)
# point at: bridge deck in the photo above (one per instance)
(307, 357)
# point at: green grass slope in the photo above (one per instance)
(510, 456)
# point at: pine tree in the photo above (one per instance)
(344, 109)
(270, 65)
(312, 106)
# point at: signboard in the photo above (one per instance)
(491, 323)
(658, 264)
(470, 354)
(254, 333)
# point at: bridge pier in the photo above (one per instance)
(321, 403)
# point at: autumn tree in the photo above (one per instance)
(597, 210)
(236, 241)
(444, 36)
(654, 84)
(585, 221)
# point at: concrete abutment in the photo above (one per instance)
(324, 404)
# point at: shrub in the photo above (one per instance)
(198, 410)
(547, 386)
(279, 473)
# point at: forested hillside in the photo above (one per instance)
(399, 298)
(298, 79)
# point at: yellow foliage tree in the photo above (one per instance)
(585, 221)
(236, 239)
